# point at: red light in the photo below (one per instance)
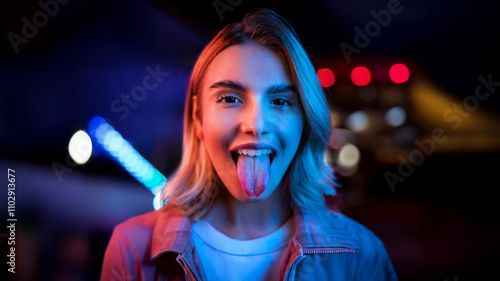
(399, 73)
(326, 77)
(361, 76)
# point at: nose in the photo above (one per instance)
(254, 119)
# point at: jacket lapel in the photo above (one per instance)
(171, 233)
(323, 229)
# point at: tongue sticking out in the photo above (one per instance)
(253, 173)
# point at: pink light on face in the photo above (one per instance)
(361, 76)
(399, 73)
(326, 77)
(245, 119)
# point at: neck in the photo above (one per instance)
(243, 220)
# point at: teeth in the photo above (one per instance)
(254, 152)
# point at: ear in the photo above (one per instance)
(197, 118)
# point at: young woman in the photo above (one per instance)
(247, 201)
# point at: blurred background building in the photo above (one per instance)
(413, 88)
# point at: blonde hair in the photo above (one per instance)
(195, 184)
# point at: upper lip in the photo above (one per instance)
(252, 145)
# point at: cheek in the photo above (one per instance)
(298, 126)
(217, 130)
(218, 133)
(290, 127)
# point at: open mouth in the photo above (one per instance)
(253, 152)
(253, 167)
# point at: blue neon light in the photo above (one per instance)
(113, 142)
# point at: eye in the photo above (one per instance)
(227, 99)
(280, 102)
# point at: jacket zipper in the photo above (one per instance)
(336, 250)
(307, 251)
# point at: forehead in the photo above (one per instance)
(255, 66)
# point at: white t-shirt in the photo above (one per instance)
(224, 258)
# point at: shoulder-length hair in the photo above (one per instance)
(195, 184)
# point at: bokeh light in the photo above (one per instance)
(357, 121)
(113, 142)
(399, 73)
(361, 76)
(349, 156)
(395, 116)
(80, 147)
(326, 77)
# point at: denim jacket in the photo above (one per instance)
(327, 246)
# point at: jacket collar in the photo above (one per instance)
(171, 233)
(324, 229)
(314, 229)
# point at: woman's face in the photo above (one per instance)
(250, 118)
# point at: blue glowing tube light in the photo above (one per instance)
(113, 142)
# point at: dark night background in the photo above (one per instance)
(439, 224)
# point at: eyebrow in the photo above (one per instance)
(228, 84)
(233, 85)
(281, 88)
